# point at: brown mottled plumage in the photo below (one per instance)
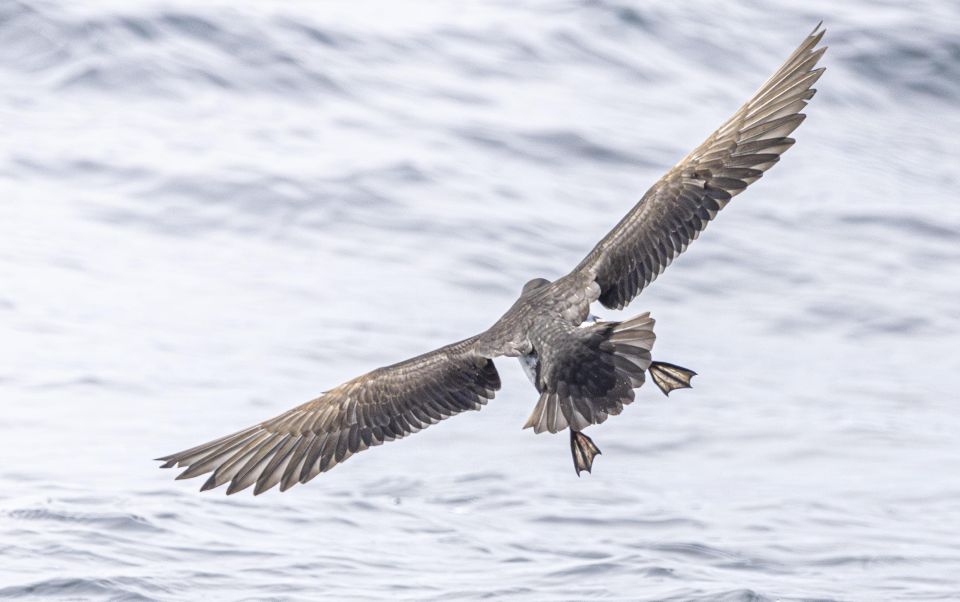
(584, 372)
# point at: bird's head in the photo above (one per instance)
(534, 285)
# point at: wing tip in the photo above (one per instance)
(236, 486)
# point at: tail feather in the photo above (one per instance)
(594, 376)
(669, 376)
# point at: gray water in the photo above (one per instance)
(209, 214)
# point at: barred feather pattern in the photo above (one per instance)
(383, 405)
(681, 204)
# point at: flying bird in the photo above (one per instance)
(585, 369)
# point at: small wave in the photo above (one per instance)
(104, 520)
(552, 147)
(73, 588)
(595, 569)
(618, 521)
(904, 225)
(737, 595)
(866, 561)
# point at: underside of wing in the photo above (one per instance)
(678, 207)
(383, 405)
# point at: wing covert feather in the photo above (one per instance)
(678, 207)
(382, 405)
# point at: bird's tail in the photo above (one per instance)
(632, 341)
(595, 376)
(669, 376)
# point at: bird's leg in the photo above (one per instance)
(669, 377)
(583, 450)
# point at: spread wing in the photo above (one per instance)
(383, 405)
(678, 207)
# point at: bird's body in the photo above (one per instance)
(584, 369)
(530, 364)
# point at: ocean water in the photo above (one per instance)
(211, 212)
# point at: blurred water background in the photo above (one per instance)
(210, 212)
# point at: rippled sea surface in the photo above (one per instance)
(210, 212)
